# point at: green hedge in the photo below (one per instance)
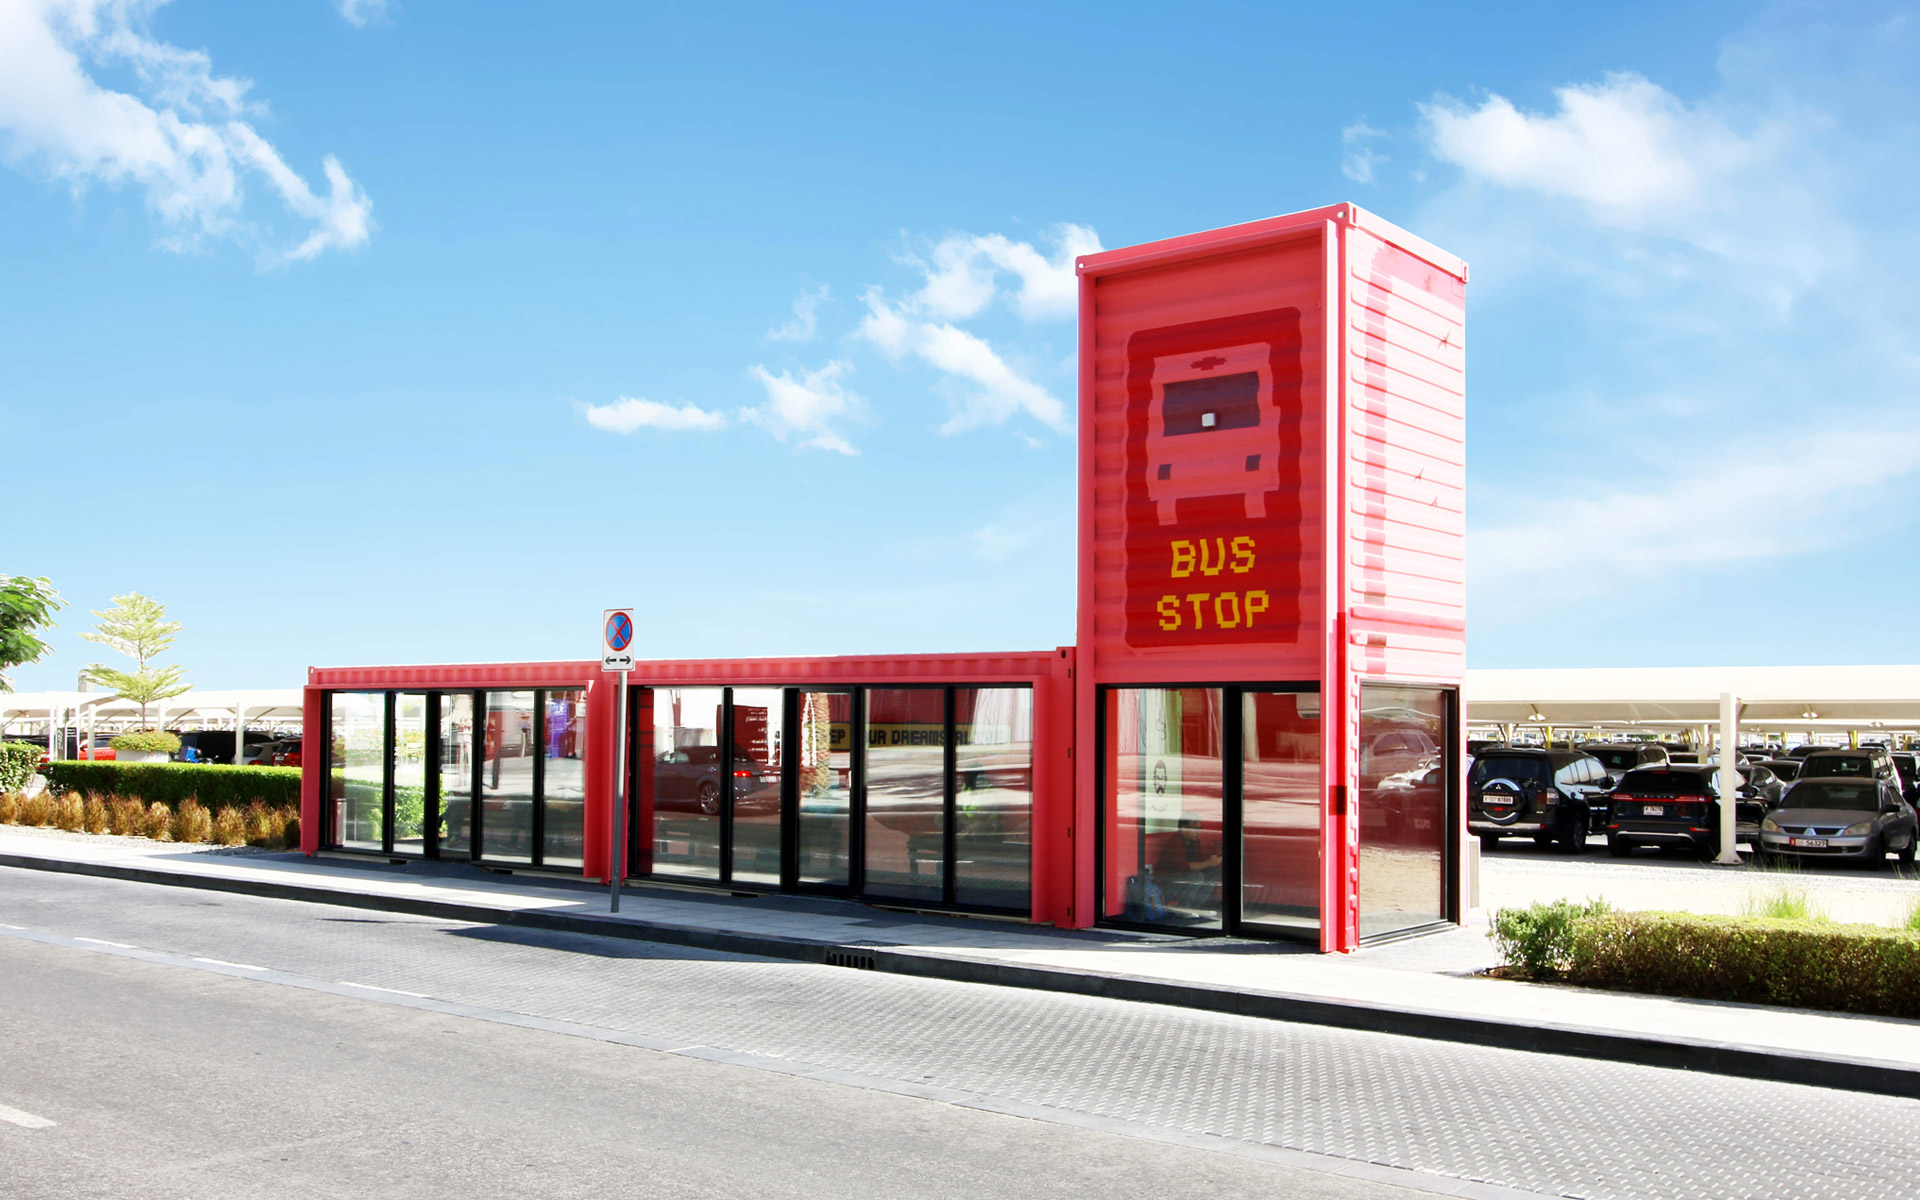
(18, 762)
(1757, 960)
(213, 785)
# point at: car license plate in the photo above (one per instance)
(1653, 810)
(1810, 843)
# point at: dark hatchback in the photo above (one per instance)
(1620, 757)
(1676, 806)
(1556, 797)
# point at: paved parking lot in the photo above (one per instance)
(1519, 872)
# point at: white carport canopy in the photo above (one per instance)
(36, 716)
(1766, 698)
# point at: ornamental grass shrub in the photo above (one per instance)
(9, 808)
(69, 813)
(95, 815)
(191, 823)
(159, 822)
(1867, 969)
(37, 810)
(126, 817)
(230, 827)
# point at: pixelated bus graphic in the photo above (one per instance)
(1211, 431)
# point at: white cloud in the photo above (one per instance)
(1768, 497)
(806, 407)
(627, 414)
(1358, 160)
(359, 12)
(988, 390)
(805, 323)
(186, 144)
(963, 274)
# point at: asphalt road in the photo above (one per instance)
(187, 1043)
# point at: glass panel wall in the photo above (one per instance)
(824, 765)
(1280, 809)
(455, 827)
(1403, 807)
(563, 784)
(506, 778)
(755, 767)
(1163, 808)
(687, 783)
(410, 773)
(357, 768)
(993, 797)
(906, 793)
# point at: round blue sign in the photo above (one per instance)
(619, 632)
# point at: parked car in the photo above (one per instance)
(1861, 819)
(1620, 757)
(1908, 766)
(1678, 807)
(216, 745)
(1784, 769)
(1556, 797)
(1803, 751)
(688, 780)
(281, 752)
(1865, 763)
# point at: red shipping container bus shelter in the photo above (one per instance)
(1258, 733)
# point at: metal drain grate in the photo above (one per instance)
(859, 960)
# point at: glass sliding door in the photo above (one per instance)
(563, 782)
(1280, 810)
(823, 767)
(753, 781)
(456, 762)
(906, 773)
(506, 778)
(993, 797)
(409, 773)
(1405, 741)
(687, 781)
(357, 762)
(1163, 810)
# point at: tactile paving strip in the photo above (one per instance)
(1559, 1126)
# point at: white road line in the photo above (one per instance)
(221, 962)
(24, 1120)
(390, 991)
(105, 942)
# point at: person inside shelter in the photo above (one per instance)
(1187, 866)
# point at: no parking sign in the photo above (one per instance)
(616, 640)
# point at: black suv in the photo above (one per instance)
(1620, 757)
(1678, 807)
(1556, 797)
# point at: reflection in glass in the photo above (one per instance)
(357, 729)
(686, 781)
(824, 744)
(1163, 808)
(506, 778)
(1403, 803)
(993, 797)
(1280, 809)
(756, 785)
(563, 787)
(456, 775)
(906, 793)
(409, 773)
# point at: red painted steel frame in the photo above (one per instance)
(1049, 673)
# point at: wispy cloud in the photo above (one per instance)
(628, 415)
(807, 407)
(1358, 158)
(805, 325)
(187, 144)
(962, 276)
(359, 12)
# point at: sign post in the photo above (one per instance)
(616, 654)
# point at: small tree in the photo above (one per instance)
(138, 628)
(26, 606)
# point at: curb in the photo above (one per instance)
(1718, 1058)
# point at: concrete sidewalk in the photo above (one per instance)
(1422, 987)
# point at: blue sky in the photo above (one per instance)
(364, 333)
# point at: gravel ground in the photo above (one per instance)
(64, 835)
(1522, 874)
